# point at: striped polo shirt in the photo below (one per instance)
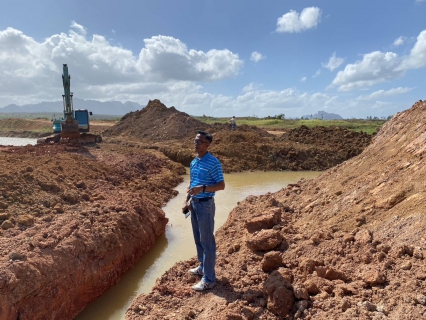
(208, 171)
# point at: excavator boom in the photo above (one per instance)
(69, 128)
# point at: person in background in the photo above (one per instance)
(233, 123)
(206, 177)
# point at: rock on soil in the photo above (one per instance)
(73, 220)
(352, 244)
(247, 148)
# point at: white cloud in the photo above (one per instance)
(165, 69)
(417, 57)
(256, 56)
(292, 22)
(80, 29)
(188, 97)
(420, 1)
(385, 93)
(252, 87)
(333, 63)
(399, 41)
(317, 73)
(377, 67)
(303, 79)
(165, 58)
(30, 71)
(374, 68)
(380, 104)
(268, 102)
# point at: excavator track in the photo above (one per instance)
(87, 138)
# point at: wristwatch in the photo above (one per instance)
(204, 188)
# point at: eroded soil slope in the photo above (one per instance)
(73, 220)
(349, 244)
(247, 148)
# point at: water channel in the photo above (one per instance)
(177, 244)
(16, 141)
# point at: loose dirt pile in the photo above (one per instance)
(248, 148)
(349, 244)
(156, 122)
(73, 220)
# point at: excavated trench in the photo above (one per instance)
(75, 219)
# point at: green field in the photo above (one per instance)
(368, 126)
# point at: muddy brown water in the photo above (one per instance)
(177, 244)
(7, 141)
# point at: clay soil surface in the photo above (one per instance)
(349, 244)
(35, 128)
(247, 148)
(73, 220)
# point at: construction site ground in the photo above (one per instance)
(35, 128)
(346, 245)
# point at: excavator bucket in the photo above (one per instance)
(69, 130)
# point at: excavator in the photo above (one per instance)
(74, 126)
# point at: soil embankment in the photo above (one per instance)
(349, 244)
(73, 220)
(247, 148)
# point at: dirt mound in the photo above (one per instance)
(328, 137)
(247, 148)
(73, 220)
(226, 128)
(156, 122)
(253, 149)
(349, 244)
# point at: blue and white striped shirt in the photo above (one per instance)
(208, 171)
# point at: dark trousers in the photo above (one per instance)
(202, 220)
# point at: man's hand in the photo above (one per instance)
(186, 203)
(195, 190)
(185, 207)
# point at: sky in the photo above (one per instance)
(356, 58)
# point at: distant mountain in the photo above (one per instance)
(323, 115)
(97, 107)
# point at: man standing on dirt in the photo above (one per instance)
(233, 123)
(206, 178)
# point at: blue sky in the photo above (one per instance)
(357, 58)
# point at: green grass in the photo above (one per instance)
(368, 126)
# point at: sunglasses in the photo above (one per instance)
(198, 142)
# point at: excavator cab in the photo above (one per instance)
(82, 116)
